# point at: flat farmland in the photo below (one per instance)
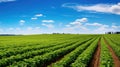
(60, 50)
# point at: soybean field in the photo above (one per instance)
(60, 50)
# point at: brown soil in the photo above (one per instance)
(54, 61)
(115, 58)
(96, 58)
(57, 60)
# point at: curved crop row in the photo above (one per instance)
(69, 58)
(30, 54)
(11, 52)
(40, 61)
(84, 58)
(114, 46)
(114, 38)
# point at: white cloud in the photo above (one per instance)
(115, 27)
(22, 22)
(103, 28)
(104, 8)
(94, 28)
(34, 18)
(6, 1)
(79, 21)
(99, 26)
(48, 21)
(82, 20)
(93, 24)
(48, 25)
(77, 24)
(39, 15)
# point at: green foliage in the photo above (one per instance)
(69, 58)
(114, 42)
(105, 56)
(69, 50)
(31, 50)
(84, 58)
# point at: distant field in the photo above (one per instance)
(60, 50)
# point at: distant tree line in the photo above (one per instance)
(11, 35)
(7, 34)
(112, 33)
(60, 33)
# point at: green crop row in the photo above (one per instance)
(84, 58)
(19, 42)
(42, 60)
(59, 50)
(69, 58)
(114, 38)
(20, 57)
(20, 50)
(11, 52)
(114, 46)
(105, 56)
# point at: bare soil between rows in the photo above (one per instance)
(114, 56)
(95, 62)
(96, 57)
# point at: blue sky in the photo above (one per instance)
(68, 16)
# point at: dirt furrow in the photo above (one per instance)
(96, 58)
(114, 56)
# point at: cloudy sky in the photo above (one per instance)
(59, 16)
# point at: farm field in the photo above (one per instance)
(60, 50)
